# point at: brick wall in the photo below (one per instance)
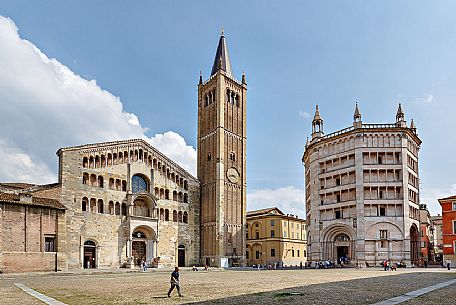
(28, 261)
(22, 239)
(448, 216)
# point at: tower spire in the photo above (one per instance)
(222, 59)
(357, 117)
(317, 124)
(400, 117)
(412, 126)
(400, 113)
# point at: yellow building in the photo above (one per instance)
(274, 237)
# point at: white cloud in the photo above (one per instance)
(45, 106)
(18, 166)
(289, 199)
(424, 100)
(174, 146)
(304, 115)
(430, 197)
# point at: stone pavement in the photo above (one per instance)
(335, 286)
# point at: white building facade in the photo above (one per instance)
(362, 193)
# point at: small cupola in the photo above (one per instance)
(317, 124)
(357, 123)
(400, 117)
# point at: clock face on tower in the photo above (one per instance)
(233, 175)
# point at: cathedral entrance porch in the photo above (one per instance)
(142, 246)
(138, 250)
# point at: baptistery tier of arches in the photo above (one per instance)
(363, 182)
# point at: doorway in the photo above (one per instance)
(89, 255)
(342, 251)
(138, 251)
(181, 256)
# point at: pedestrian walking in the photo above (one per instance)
(448, 264)
(175, 282)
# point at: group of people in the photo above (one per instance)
(194, 268)
(389, 266)
(326, 264)
(143, 265)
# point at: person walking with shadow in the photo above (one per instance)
(175, 282)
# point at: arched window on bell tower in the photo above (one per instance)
(232, 156)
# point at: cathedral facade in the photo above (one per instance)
(117, 204)
(362, 192)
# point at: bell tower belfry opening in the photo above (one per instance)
(222, 162)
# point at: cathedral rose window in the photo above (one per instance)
(138, 184)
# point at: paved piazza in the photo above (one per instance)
(336, 286)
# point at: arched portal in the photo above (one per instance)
(143, 244)
(338, 241)
(89, 255)
(414, 244)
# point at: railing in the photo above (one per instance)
(339, 132)
(379, 125)
(367, 126)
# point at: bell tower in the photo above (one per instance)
(222, 162)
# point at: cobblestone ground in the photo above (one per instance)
(336, 286)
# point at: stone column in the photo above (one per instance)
(1, 234)
(61, 238)
(360, 246)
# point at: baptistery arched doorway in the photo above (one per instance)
(338, 242)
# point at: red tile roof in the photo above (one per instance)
(36, 201)
(448, 198)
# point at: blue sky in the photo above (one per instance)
(295, 54)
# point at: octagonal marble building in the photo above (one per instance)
(362, 191)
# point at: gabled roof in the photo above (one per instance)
(15, 185)
(127, 142)
(273, 210)
(36, 201)
(222, 59)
